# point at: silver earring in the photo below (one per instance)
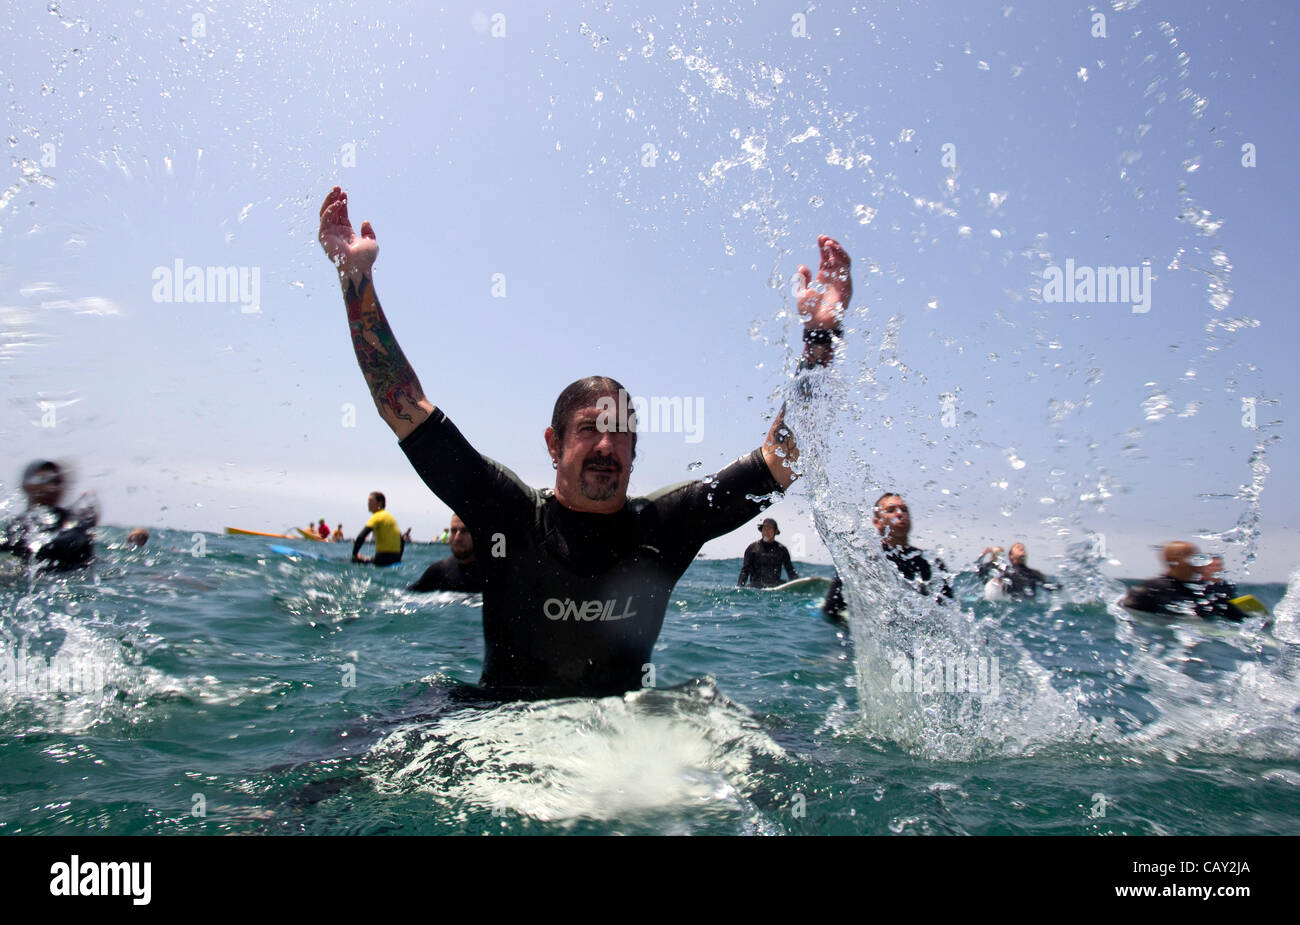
(554, 464)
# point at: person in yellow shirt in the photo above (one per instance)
(388, 538)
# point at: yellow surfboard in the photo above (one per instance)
(235, 531)
(1248, 603)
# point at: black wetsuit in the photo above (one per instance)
(911, 564)
(450, 574)
(573, 602)
(66, 538)
(1170, 597)
(1019, 581)
(763, 563)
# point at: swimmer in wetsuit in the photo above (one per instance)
(457, 572)
(893, 521)
(764, 559)
(56, 538)
(577, 577)
(1019, 581)
(388, 541)
(1181, 591)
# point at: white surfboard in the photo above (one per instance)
(811, 583)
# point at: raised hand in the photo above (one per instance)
(354, 254)
(393, 383)
(822, 308)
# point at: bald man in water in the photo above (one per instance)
(1180, 591)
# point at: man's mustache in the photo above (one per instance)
(603, 461)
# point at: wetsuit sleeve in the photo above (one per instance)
(478, 489)
(946, 590)
(746, 569)
(983, 569)
(833, 607)
(361, 541)
(431, 580)
(1219, 605)
(696, 512)
(69, 548)
(1138, 597)
(1227, 610)
(789, 566)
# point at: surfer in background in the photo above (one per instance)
(457, 572)
(580, 576)
(764, 559)
(388, 539)
(1019, 581)
(1211, 577)
(337, 535)
(1181, 591)
(323, 530)
(138, 537)
(57, 538)
(893, 521)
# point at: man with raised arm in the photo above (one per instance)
(577, 577)
(1019, 582)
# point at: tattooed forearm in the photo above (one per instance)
(393, 384)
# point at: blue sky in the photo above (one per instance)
(645, 184)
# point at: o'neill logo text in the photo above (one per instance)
(1100, 284)
(556, 609)
(105, 878)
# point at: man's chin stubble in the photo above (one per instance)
(598, 492)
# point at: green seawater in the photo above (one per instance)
(246, 691)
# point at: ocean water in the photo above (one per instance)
(241, 690)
